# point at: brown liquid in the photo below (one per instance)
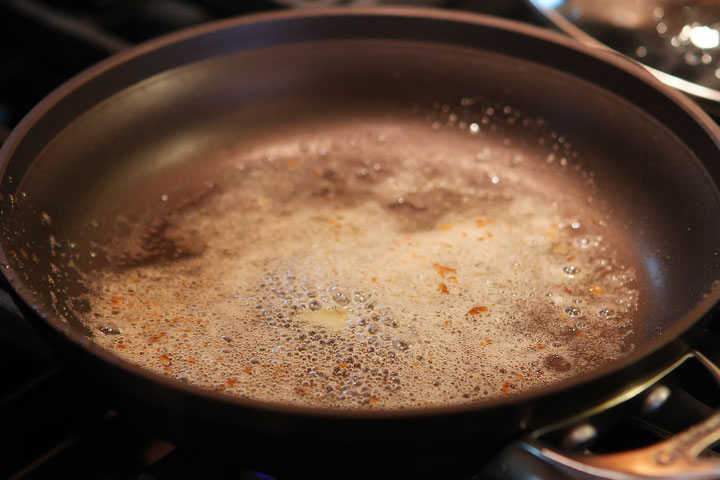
(333, 279)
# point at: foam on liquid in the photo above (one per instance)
(336, 281)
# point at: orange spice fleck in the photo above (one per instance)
(446, 226)
(121, 345)
(191, 361)
(477, 310)
(480, 239)
(567, 290)
(157, 337)
(481, 223)
(247, 370)
(342, 364)
(454, 280)
(488, 340)
(597, 290)
(442, 270)
(116, 300)
(443, 288)
(540, 346)
(231, 381)
(374, 279)
(505, 387)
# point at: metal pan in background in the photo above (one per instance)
(677, 41)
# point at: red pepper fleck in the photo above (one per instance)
(477, 310)
(442, 270)
(157, 337)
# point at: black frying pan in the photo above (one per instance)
(130, 128)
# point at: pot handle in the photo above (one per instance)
(675, 458)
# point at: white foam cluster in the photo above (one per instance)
(344, 281)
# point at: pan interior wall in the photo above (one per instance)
(174, 135)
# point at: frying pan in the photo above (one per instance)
(144, 121)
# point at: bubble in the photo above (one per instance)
(573, 311)
(400, 343)
(339, 296)
(45, 219)
(571, 270)
(110, 329)
(360, 297)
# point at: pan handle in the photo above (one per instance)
(675, 458)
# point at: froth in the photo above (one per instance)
(332, 279)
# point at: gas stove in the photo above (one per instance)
(57, 421)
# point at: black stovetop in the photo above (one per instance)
(55, 421)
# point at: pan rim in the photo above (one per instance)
(679, 327)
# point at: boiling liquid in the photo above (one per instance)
(335, 281)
